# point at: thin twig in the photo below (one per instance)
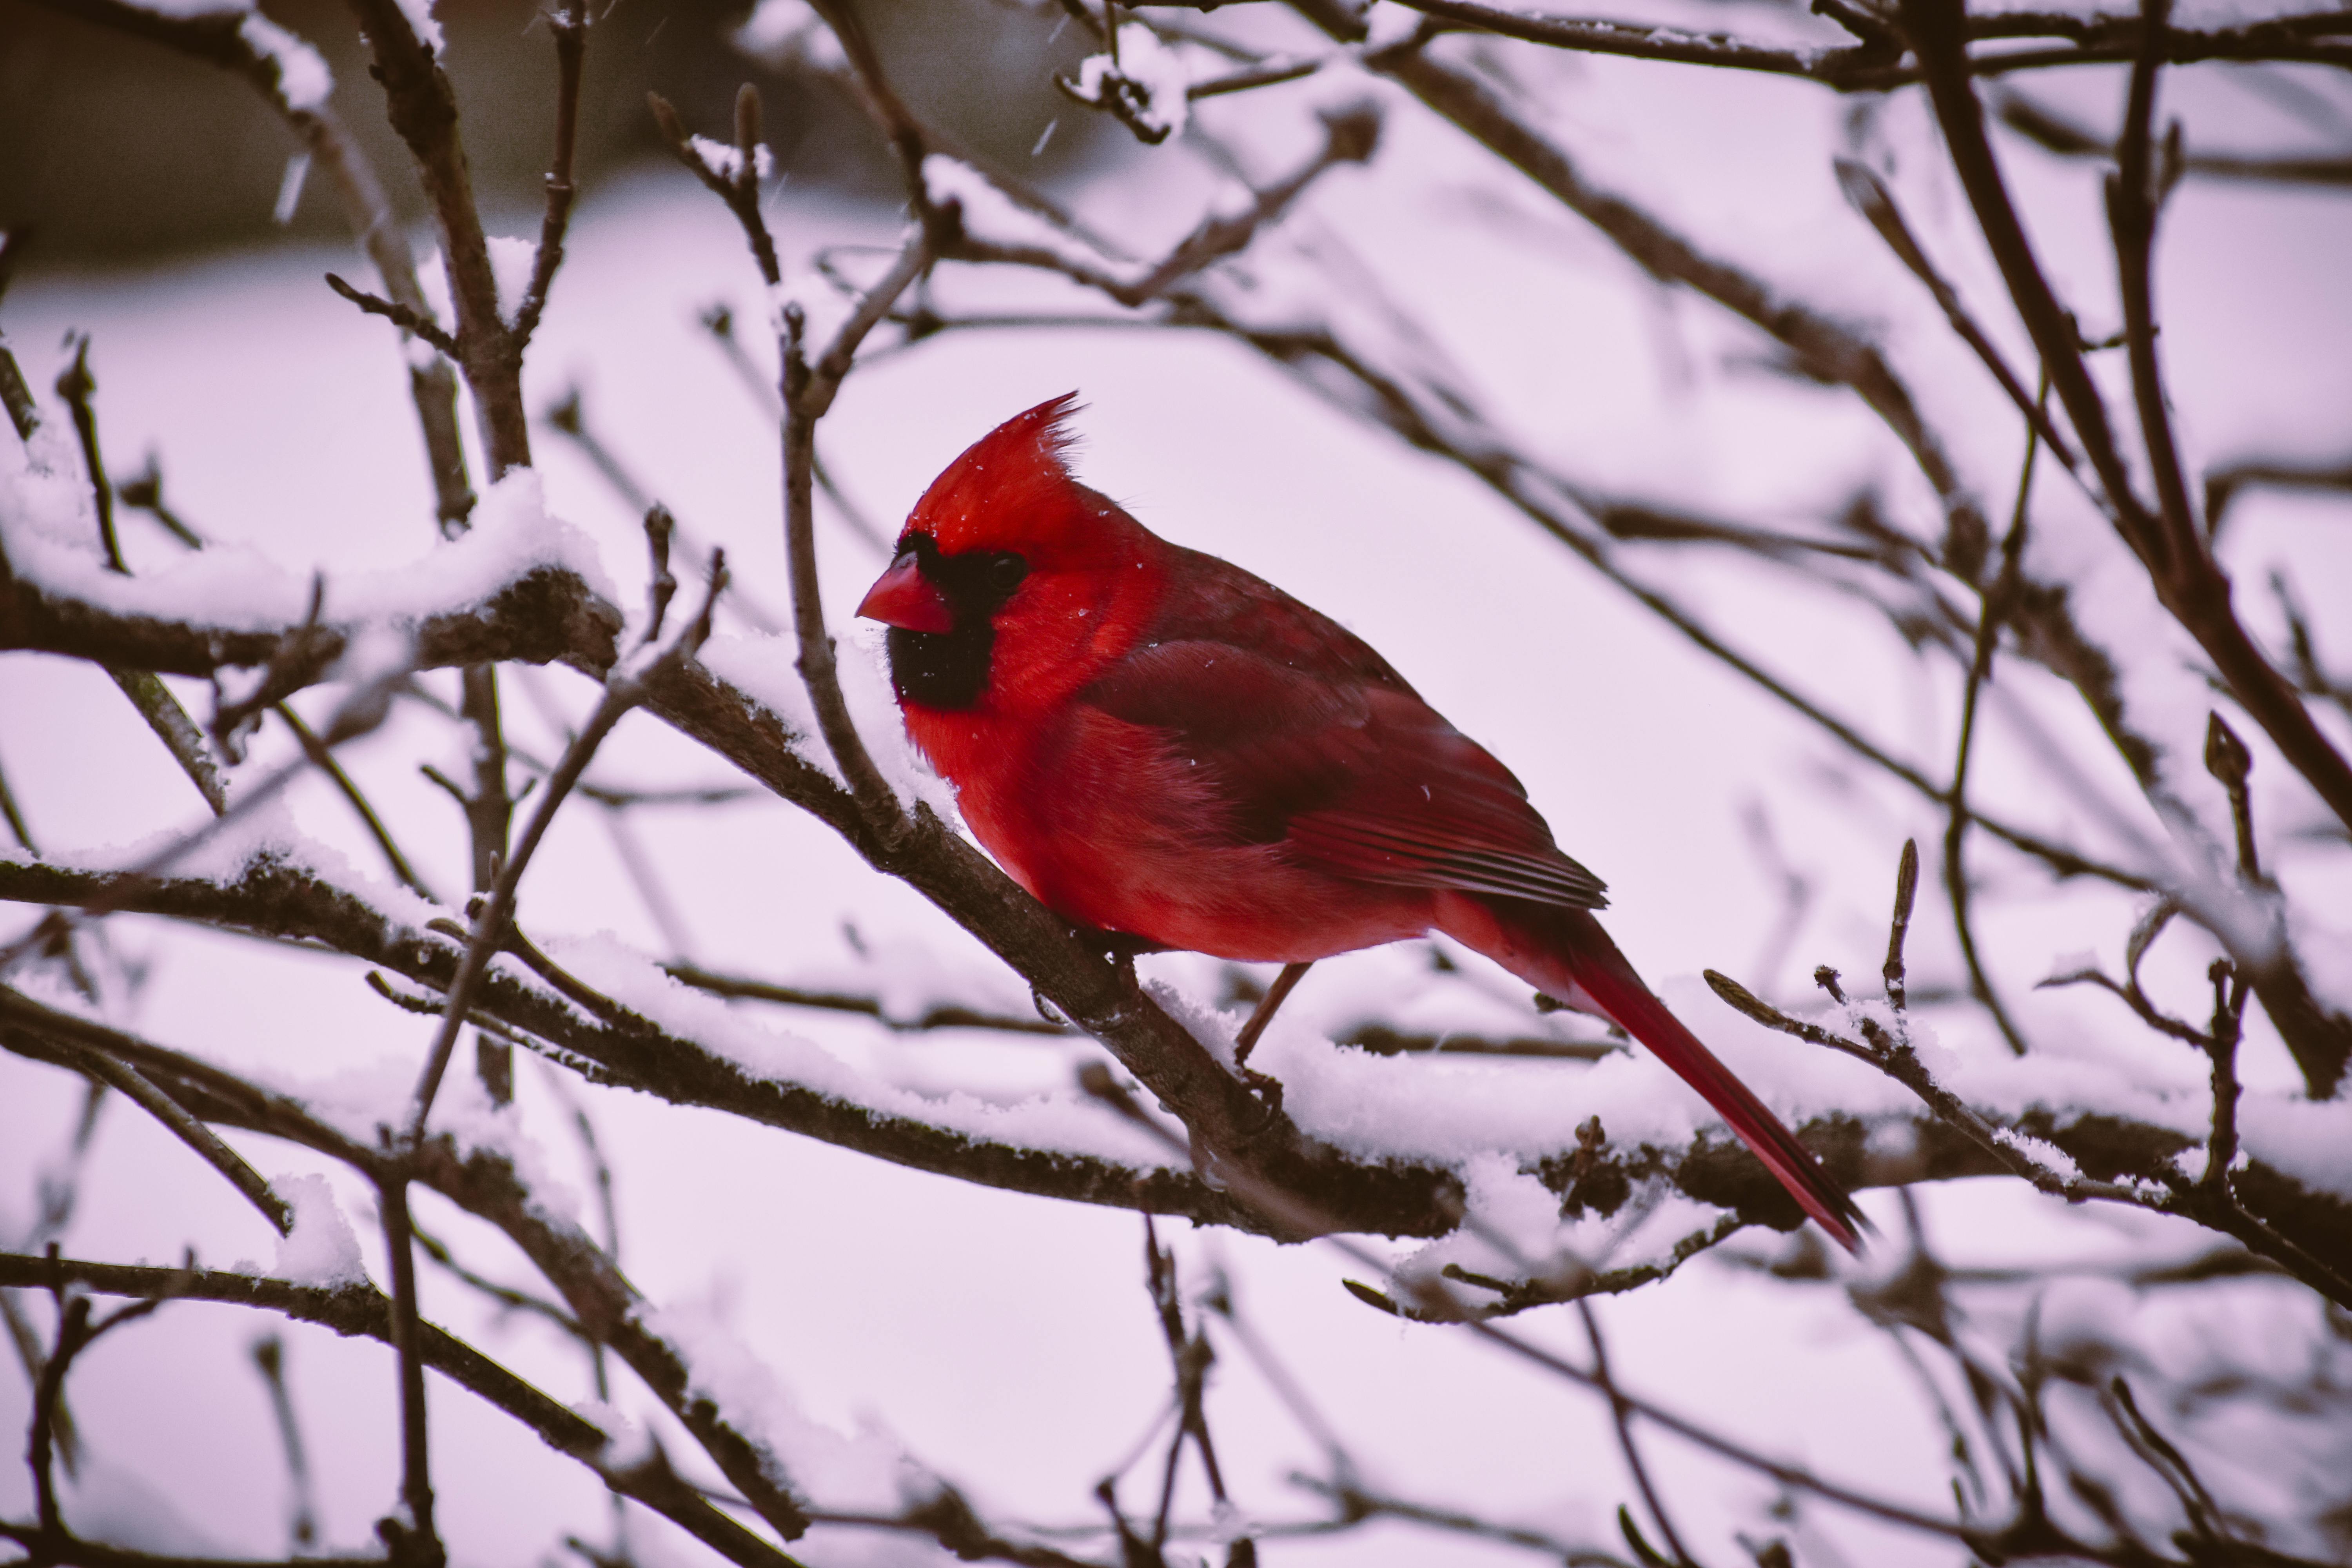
(1278, 1376)
(1993, 608)
(489, 807)
(410, 318)
(624, 689)
(85, 1051)
(10, 813)
(268, 1353)
(1269, 74)
(172, 725)
(940, 1016)
(506, 1297)
(1869, 195)
(2068, 139)
(325, 760)
(569, 415)
(49, 1389)
(1907, 889)
(77, 1331)
(808, 391)
(2227, 759)
(569, 25)
(1621, 1416)
(805, 391)
(2134, 204)
(412, 1539)
(2222, 1044)
(143, 492)
(76, 386)
(147, 694)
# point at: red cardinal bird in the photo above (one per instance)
(1156, 742)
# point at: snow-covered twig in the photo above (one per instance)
(2031, 1158)
(1301, 1215)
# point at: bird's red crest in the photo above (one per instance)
(1011, 488)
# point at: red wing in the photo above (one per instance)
(1354, 776)
(1209, 600)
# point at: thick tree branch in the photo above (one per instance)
(544, 615)
(1878, 62)
(286, 902)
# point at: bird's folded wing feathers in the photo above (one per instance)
(1358, 777)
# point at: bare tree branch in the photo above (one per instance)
(360, 1310)
(19, 1011)
(2049, 130)
(2180, 565)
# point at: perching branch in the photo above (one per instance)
(532, 618)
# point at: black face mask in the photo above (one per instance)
(950, 668)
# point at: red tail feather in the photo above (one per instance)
(1565, 953)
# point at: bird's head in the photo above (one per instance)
(1004, 542)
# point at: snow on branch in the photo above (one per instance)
(1141, 81)
(519, 585)
(1405, 1146)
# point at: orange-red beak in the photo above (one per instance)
(903, 598)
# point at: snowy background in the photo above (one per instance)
(1006, 1343)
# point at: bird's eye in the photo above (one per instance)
(1005, 571)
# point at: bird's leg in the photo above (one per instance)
(1283, 984)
